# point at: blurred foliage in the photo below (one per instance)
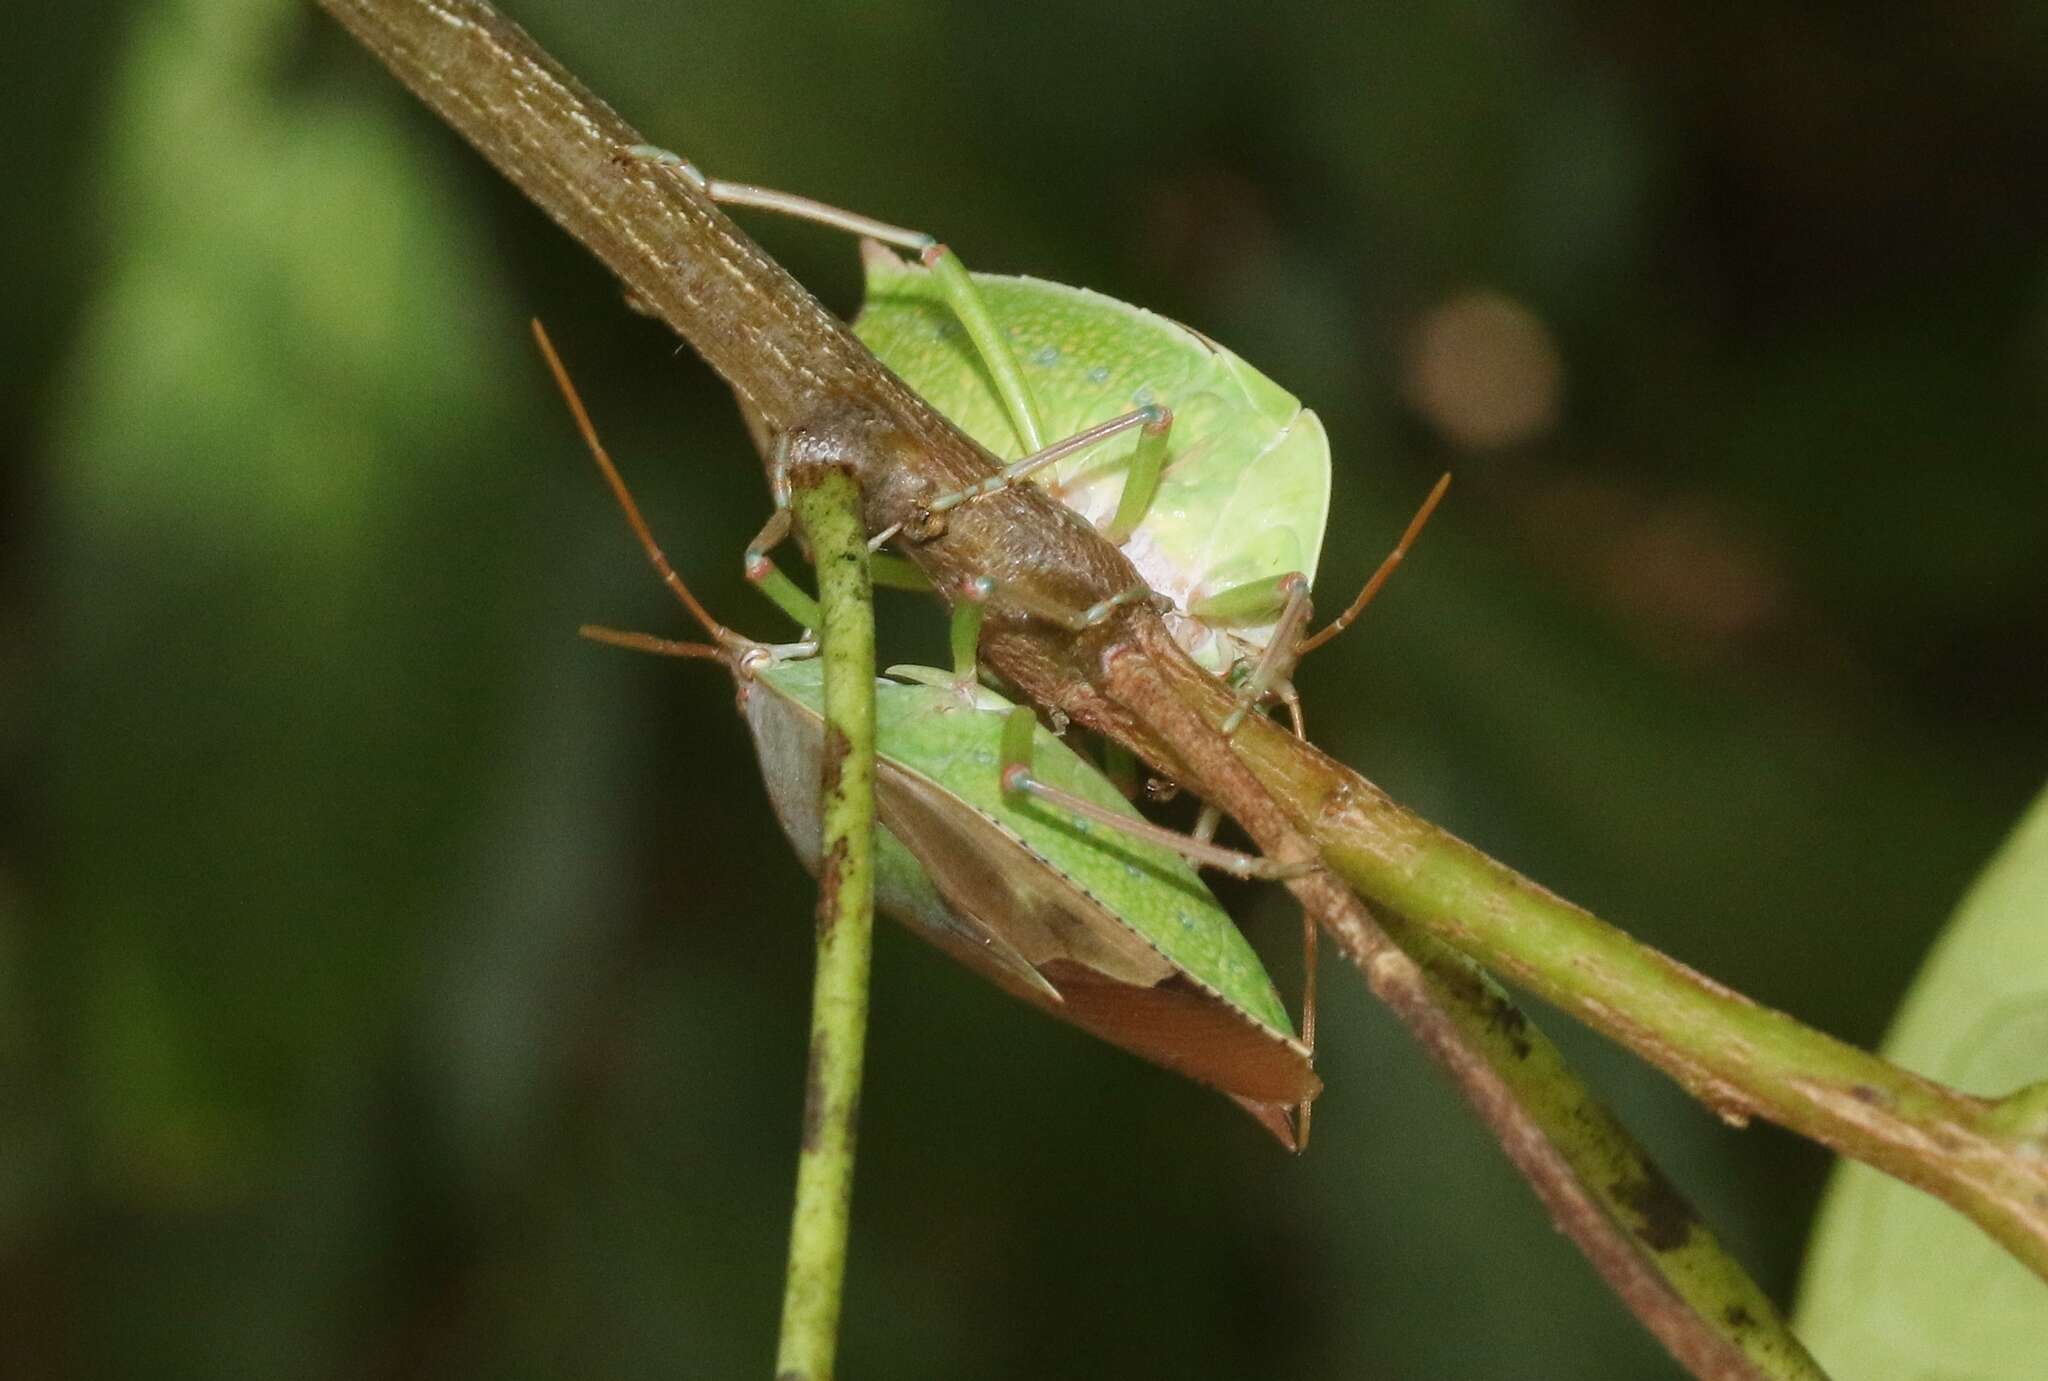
(1976, 1018)
(395, 986)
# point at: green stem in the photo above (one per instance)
(1619, 1174)
(1739, 1058)
(827, 506)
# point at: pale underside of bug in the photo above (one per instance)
(1244, 489)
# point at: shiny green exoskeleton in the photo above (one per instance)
(1243, 487)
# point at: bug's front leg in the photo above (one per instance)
(887, 571)
(965, 632)
(769, 578)
(1152, 422)
(1255, 600)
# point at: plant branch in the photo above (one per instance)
(1703, 1342)
(1614, 1169)
(1738, 1057)
(787, 359)
(827, 505)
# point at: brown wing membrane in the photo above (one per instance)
(1176, 1024)
(1004, 912)
(1112, 984)
(789, 739)
(989, 876)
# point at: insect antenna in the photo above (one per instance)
(647, 642)
(1379, 577)
(722, 635)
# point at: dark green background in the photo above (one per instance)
(392, 985)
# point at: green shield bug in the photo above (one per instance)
(1061, 894)
(1243, 489)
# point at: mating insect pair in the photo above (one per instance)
(1062, 895)
(1042, 875)
(1212, 479)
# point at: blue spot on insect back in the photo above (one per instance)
(1143, 397)
(1045, 354)
(1099, 374)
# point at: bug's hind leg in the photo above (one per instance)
(954, 282)
(1018, 730)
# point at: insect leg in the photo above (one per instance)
(1282, 651)
(769, 579)
(888, 571)
(1141, 481)
(989, 341)
(1268, 676)
(1255, 601)
(897, 572)
(1204, 831)
(1088, 618)
(1017, 471)
(965, 633)
(961, 295)
(1308, 1020)
(1018, 731)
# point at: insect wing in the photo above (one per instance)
(1121, 936)
(781, 710)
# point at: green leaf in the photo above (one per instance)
(1899, 1286)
